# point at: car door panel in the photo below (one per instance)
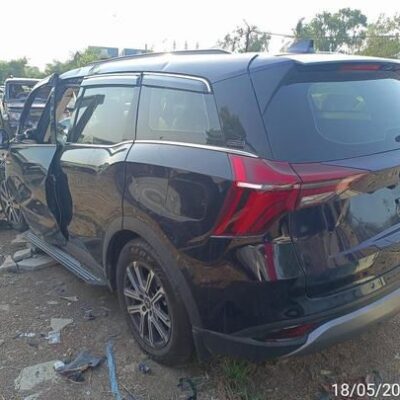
(91, 164)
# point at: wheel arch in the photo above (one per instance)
(131, 229)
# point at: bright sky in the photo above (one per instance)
(43, 30)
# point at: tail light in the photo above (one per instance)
(291, 332)
(262, 191)
(360, 67)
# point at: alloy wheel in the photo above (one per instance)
(147, 305)
(9, 205)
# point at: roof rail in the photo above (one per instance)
(302, 46)
(151, 54)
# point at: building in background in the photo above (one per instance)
(132, 52)
(105, 52)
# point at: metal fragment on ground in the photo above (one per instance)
(72, 299)
(83, 361)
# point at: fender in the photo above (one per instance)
(165, 252)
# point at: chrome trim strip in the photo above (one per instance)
(374, 312)
(124, 78)
(75, 144)
(199, 146)
(265, 187)
(194, 78)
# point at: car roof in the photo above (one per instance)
(30, 80)
(213, 67)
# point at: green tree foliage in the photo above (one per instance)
(344, 30)
(245, 38)
(18, 68)
(383, 38)
(79, 59)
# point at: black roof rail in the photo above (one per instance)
(155, 54)
(302, 46)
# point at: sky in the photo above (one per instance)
(44, 30)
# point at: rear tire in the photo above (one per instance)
(155, 312)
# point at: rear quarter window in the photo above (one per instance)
(178, 116)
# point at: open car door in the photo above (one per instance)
(29, 160)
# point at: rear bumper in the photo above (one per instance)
(329, 332)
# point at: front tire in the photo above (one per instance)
(154, 310)
(11, 209)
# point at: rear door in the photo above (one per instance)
(338, 126)
(90, 165)
(177, 171)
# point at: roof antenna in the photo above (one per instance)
(302, 46)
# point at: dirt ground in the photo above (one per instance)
(29, 300)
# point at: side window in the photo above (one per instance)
(36, 108)
(178, 115)
(104, 115)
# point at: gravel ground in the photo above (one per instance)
(28, 302)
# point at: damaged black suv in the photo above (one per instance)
(243, 205)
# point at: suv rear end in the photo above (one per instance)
(315, 219)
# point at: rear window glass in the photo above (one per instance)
(334, 119)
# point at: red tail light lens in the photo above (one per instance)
(264, 190)
(360, 67)
(291, 333)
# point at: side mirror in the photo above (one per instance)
(4, 139)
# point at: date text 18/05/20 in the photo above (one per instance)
(372, 390)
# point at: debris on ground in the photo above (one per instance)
(326, 372)
(75, 369)
(71, 299)
(187, 385)
(144, 368)
(22, 254)
(35, 263)
(8, 265)
(112, 373)
(26, 335)
(88, 315)
(34, 375)
(2, 342)
(59, 366)
(26, 260)
(130, 395)
(57, 325)
(54, 337)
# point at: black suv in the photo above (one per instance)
(246, 205)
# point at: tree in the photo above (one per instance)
(245, 38)
(18, 68)
(344, 30)
(383, 38)
(77, 60)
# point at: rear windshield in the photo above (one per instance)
(338, 115)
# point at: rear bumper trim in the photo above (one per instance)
(332, 331)
(348, 325)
